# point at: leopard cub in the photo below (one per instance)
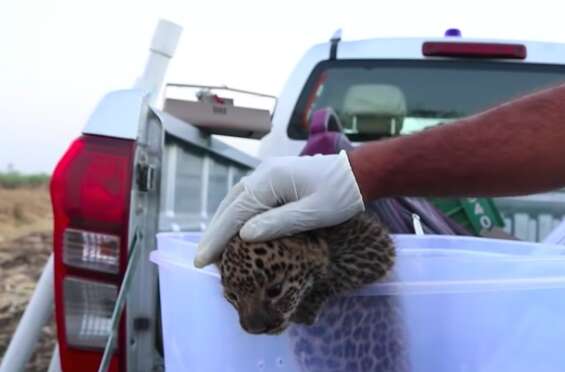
(273, 283)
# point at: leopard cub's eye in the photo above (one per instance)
(275, 290)
(231, 296)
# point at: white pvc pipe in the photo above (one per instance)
(163, 46)
(36, 315)
(55, 363)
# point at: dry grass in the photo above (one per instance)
(24, 211)
(25, 244)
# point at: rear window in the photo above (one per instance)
(376, 99)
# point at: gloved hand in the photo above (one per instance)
(283, 196)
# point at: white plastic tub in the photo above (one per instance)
(450, 305)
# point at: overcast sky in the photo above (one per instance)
(59, 57)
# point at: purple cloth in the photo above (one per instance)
(326, 137)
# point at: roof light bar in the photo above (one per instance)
(474, 50)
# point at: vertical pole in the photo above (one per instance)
(55, 363)
(162, 49)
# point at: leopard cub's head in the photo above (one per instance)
(266, 282)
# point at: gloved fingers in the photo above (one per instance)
(224, 226)
(272, 187)
(307, 214)
(206, 246)
(274, 223)
(231, 196)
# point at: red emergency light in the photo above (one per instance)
(473, 50)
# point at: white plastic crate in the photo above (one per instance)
(452, 304)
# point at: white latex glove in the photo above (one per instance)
(283, 196)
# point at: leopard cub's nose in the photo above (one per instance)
(253, 324)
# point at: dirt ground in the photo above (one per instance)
(25, 245)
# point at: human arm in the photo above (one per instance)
(516, 148)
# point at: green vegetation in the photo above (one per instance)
(14, 179)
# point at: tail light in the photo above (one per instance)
(88, 312)
(474, 50)
(90, 193)
(95, 251)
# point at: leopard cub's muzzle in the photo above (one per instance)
(256, 319)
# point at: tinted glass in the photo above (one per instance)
(377, 99)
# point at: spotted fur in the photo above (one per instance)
(274, 283)
(353, 334)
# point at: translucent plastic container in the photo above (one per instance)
(451, 304)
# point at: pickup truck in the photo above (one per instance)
(137, 169)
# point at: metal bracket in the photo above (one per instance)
(145, 177)
(334, 41)
(418, 229)
(220, 87)
(120, 302)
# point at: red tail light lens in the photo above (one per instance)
(474, 50)
(90, 193)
